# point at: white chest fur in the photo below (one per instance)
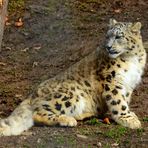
(132, 76)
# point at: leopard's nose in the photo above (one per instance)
(108, 48)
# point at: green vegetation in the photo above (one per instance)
(16, 6)
(107, 145)
(90, 5)
(26, 146)
(145, 119)
(84, 131)
(94, 121)
(140, 131)
(5, 91)
(52, 5)
(62, 140)
(116, 133)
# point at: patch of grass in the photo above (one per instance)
(72, 141)
(61, 140)
(84, 131)
(5, 90)
(145, 119)
(140, 131)
(83, 7)
(89, 146)
(90, 6)
(52, 5)
(15, 5)
(26, 146)
(12, 72)
(91, 18)
(93, 121)
(40, 145)
(106, 146)
(116, 133)
(127, 141)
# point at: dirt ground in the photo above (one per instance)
(56, 34)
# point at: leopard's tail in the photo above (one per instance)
(20, 120)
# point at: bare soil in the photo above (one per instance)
(55, 35)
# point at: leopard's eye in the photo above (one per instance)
(118, 37)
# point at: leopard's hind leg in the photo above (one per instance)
(50, 118)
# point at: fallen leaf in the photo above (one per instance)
(1, 2)
(7, 23)
(19, 23)
(106, 120)
(6, 18)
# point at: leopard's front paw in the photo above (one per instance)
(4, 131)
(130, 121)
(67, 121)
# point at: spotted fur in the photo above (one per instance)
(102, 81)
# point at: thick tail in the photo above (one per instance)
(20, 120)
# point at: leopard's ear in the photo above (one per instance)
(135, 28)
(112, 22)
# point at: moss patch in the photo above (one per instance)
(16, 6)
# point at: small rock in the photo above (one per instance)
(117, 10)
(24, 138)
(25, 49)
(25, 33)
(37, 46)
(18, 95)
(8, 48)
(35, 64)
(99, 144)
(39, 140)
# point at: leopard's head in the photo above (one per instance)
(122, 37)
